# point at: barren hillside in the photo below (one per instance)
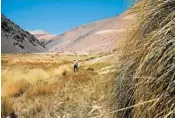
(15, 40)
(101, 36)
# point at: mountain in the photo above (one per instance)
(100, 36)
(16, 40)
(42, 35)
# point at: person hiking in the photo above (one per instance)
(75, 65)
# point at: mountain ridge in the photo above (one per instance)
(16, 40)
(42, 35)
(92, 37)
(98, 36)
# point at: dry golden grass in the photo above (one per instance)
(145, 77)
(144, 86)
(40, 89)
(7, 106)
(53, 91)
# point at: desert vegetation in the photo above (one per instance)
(37, 88)
(136, 82)
(145, 78)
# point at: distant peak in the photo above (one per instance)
(38, 32)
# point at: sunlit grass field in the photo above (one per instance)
(45, 85)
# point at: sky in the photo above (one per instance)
(58, 16)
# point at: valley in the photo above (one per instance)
(32, 87)
(126, 65)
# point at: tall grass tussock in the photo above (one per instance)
(145, 82)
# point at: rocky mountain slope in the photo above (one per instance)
(101, 36)
(16, 40)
